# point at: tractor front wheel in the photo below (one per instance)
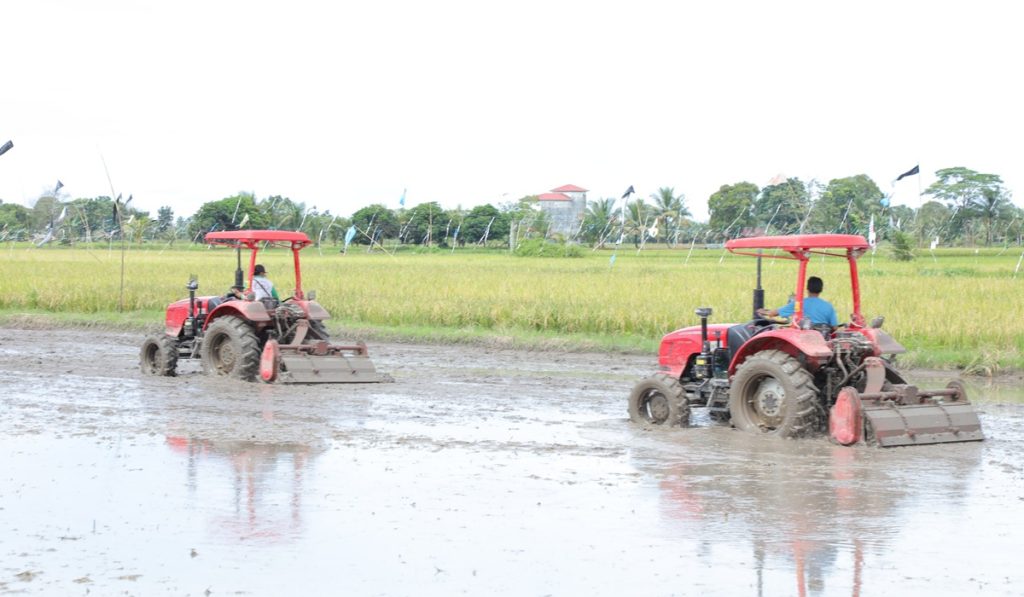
(774, 395)
(159, 355)
(659, 400)
(230, 348)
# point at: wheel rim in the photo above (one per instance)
(224, 354)
(765, 403)
(654, 406)
(149, 357)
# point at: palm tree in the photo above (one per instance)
(599, 223)
(637, 220)
(671, 209)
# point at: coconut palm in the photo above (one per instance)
(600, 221)
(670, 209)
(638, 218)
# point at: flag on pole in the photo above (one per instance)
(245, 220)
(611, 261)
(911, 172)
(350, 235)
(934, 244)
(5, 147)
(871, 231)
(628, 192)
(58, 187)
(401, 201)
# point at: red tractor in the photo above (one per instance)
(283, 341)
(794, 378)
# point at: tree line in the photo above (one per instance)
(964, 207)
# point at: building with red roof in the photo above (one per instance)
(565, 208)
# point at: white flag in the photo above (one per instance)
(871, 231)
(935, 243)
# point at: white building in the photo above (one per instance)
(565, 208)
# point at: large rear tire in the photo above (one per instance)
(230, 348)
(659, 400)
(159, 356)
(773, 394)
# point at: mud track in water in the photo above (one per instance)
(479, 471)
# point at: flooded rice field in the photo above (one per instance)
(479, 471)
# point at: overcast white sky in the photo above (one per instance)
(343, 104)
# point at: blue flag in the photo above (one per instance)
(611, 261)
(350, 235)
(402, 200)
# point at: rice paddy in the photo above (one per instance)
(954, 308)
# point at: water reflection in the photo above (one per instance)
(249, 489)
(806, 511)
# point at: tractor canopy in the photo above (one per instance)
(255, 240)
(801, 247)
(837, 245)
(251, 239)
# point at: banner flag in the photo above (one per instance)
(911, 172)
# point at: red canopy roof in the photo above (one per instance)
(248, 238)
(815, 243)
(552, 197)
(569, 188)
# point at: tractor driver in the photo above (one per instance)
(262, 285)
(818, 310)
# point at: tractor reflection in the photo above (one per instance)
(820, 511)
(264, 488)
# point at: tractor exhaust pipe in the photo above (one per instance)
(758, 292)
(702, 367)
(190, 321)
(238, 271)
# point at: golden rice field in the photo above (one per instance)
(957, 307)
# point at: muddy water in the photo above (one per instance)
(478, 472)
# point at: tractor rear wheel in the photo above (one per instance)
(773, 394)
(659, 400)
(159, 355)
(230, 348)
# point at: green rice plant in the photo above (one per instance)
(955, 304)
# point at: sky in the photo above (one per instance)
(342, 104)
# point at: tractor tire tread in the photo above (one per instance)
(802, 416)
(248, 365)
(672, 389)
(159, 356)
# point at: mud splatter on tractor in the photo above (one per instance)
(276, 341)
(796, 378)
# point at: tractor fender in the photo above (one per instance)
(316, 311)
(313, 310)
(253, 311)
(808, 346)
(882, 342)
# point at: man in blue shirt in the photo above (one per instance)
(818, 310)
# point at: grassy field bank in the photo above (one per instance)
(960, 308)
